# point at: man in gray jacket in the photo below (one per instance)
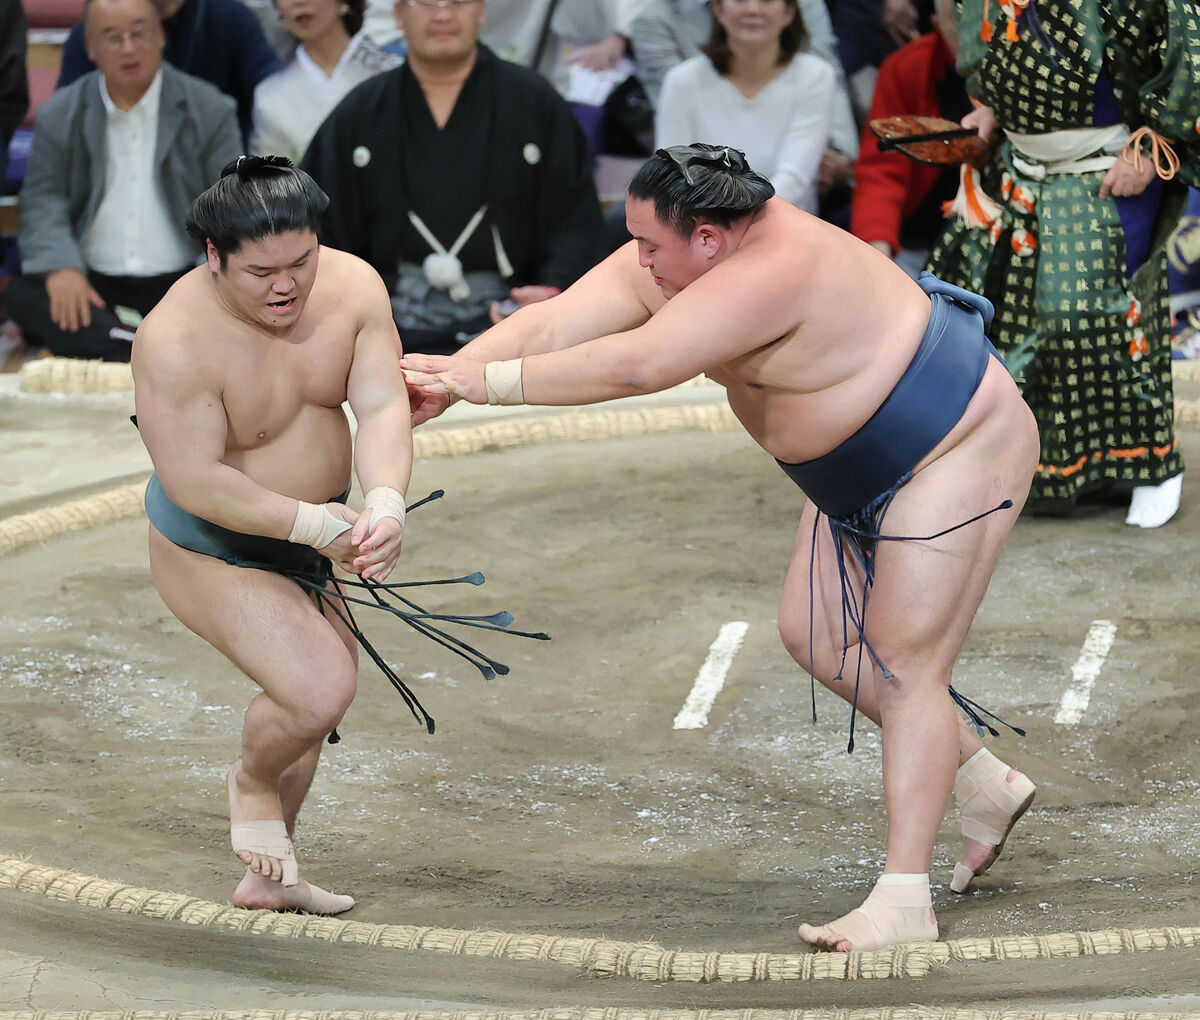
(118, 157)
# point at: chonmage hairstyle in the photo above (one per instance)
(689, 184)
(256, 197)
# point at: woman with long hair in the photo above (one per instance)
(754, 87)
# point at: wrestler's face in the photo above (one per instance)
(268, 281)
(673, 261)
(309, 19)
(125, 40)
(440, 31)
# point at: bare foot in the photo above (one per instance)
(991, 798)
(257, 830)
(890, 916)
(256, 892)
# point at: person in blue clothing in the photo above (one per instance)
(218, 41)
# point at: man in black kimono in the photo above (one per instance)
(463, 179)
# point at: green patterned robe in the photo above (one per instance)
(1086, 335)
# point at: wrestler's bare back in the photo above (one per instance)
(281, 395)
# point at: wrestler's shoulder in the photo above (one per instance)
(181, 308)
(168, 337)
(341, 269)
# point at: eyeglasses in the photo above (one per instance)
(429, 5)
(115, 41)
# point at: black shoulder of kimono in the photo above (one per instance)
(518, 78)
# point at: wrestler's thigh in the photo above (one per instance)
(263, 622)
(822, 591)
(341, 626)
(926, 594)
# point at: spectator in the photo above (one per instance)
(14, 85)
(333, 56)
(463, 179)
(117, 159)
(668, 32)
(753, 88)
(897, 203)
(218, 41)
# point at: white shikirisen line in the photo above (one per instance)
(1096, 647)
(711, 678)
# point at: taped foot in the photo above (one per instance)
(991, 799)
(255, 892)
(891, 916)
(265, 849)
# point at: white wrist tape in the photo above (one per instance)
(315, 525)
(502, 380)
(384, 502)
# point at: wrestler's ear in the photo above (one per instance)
(212, 257)
(709, 240)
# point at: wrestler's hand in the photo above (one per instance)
(342, 550)
(424, 405)
(71, 299)
(379, 550)
(456, 376)
(983, 119)
(1123, 181)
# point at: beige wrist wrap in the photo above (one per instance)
(502, 380)
(384, 502)
(315, 525)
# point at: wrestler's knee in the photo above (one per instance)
(327, 699)
(905, 675)
(813, 654)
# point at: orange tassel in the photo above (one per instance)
(985, 33)
(972, 204)
(1010, 31)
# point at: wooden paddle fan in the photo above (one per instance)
(929, 140)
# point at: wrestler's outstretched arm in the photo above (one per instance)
(614, 296)
(383, 446)
(181, 417)
(741, 304)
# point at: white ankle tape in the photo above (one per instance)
(896, 878)
(315, 525)
(965, 767)
(502, 380)
(384, 502)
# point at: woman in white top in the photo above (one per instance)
(753, 88)
(333, 56)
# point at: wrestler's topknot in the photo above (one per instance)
(689, 184)
(256, 197)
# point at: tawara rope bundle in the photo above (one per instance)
(645, 961)
(609, 1013)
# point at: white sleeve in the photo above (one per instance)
(807, 134)
(673, 123)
